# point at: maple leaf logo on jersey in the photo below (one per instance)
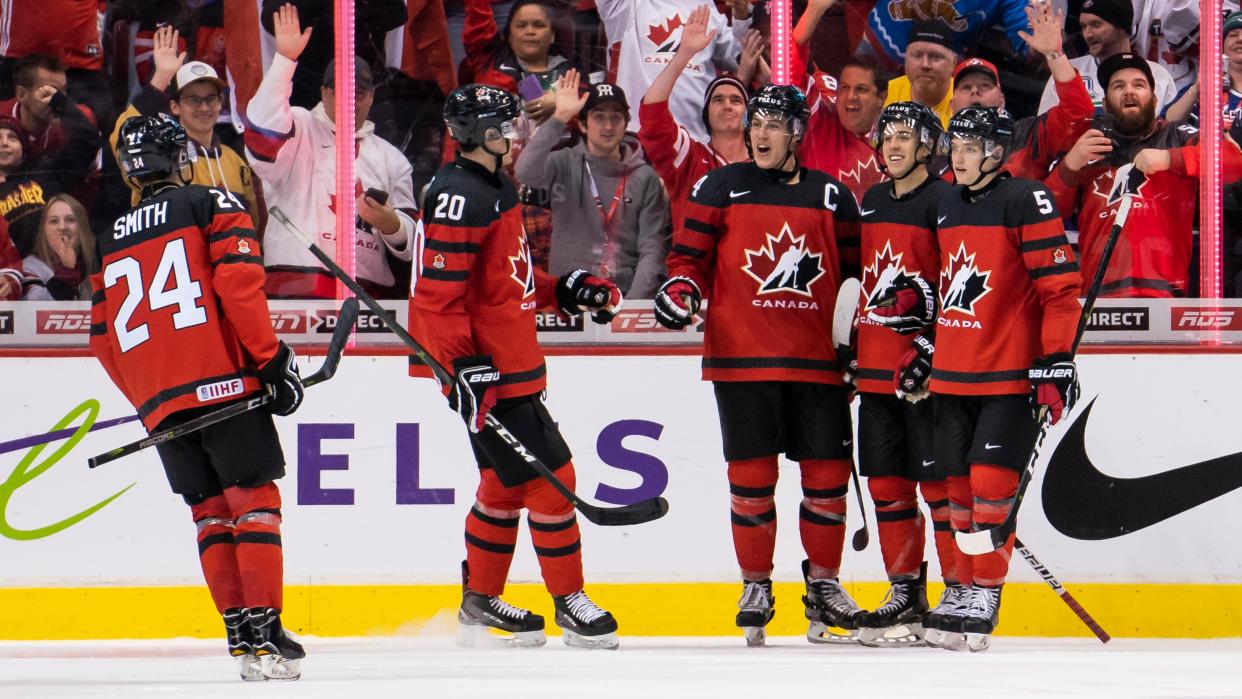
(869, 167)
(1105, 186)
(967, 283)
(784, 264)
(880, 276)
(661, 34)
(523, 270)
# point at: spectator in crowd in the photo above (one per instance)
(60, 267)
(1167, 32)
(197, 97)
(930, 58)
(609, 212)
(891, 25)
(520, 59)
(26, 183)
(373, 20)
(1106, 27)
(1152, 257)
(1231, 46)
(1038, 140)
(294, 151)
(678, 158)
(646, 35)
(29, 74)
(12, 276)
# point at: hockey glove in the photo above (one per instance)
(474, 389)
(1054, 385)
(676, 302)
(908, 305)
(581, 291)
(283, 381)
(913, 371)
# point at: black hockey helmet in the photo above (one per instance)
(780, 100)
(152, 147)
(919, 117)
(472, 109)
(992, 125)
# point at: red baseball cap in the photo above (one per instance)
(976, 65)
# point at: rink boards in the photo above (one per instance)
(380, 479)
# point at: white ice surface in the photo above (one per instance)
(369, 668)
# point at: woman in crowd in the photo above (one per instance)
(60, 266)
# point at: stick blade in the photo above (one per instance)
(626, 515)
(345, 320)
(977, 543)
(861, 539)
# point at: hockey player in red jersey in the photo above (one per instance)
(895, 451)
(765, 242)
(472, 304)
(1008, 311)
(180, 322)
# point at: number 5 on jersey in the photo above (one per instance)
(183, 294)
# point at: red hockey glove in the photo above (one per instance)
(908, 305)
(676, 302)
(283, 381)
(1054, 385)
(581, 291)
(474, 389)
(913, 371)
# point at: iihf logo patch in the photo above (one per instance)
(966, 282)
(784, 264)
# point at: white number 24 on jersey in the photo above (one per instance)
(184, 293)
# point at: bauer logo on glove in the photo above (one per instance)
(907, 305)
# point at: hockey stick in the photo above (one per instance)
(1066, 597)
(340, 335)
(844, 320)
(35, 440)
(634, 513)
(992, 538)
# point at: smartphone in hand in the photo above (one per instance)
(378, 195)
(530, 88)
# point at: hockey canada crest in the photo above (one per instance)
(966, 283)
(523, 270)
(879, 277)
(784, 264)
(662, 34)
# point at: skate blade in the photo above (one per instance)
(819, 632)
(277, 667)
(480, 636)
(756, 636)
(605, 641)
(250, 668)
(954, 641)
(899, 636)
(978, 642)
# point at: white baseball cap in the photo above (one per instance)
(195, 71)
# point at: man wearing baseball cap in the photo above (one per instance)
(930, 56)
(1106, 27)
(193, 93)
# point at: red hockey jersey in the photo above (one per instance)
(1008, 288)
(898, 239)
(178, 315)
(474, 290)
(1152, 257)
(770, 258)
(678, 159)
(829, 147)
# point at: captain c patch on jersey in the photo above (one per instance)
(963, 283)
(784, 264)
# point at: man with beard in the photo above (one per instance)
(1152, 258)
(678, 157)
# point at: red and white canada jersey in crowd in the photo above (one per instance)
(829, 147)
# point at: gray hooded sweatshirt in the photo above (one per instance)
(641, 220)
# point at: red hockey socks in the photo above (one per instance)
(260, 560)
(216, 548)
(554, 532)
(960, 504)
(491, 533)
(900, 523)
(994, 488)
(752, 505)
(821, 518)
(936, 494)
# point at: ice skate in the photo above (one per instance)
(280, 655)
(754, 610)
(240, 646)
(942, 626)
(833, 616)
(487, 620)
(899, 620)
(584, 624)
(981, 616)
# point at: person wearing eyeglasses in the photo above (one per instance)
(193, 93)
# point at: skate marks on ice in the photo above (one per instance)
(655, 667)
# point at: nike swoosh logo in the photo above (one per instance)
(735, 195)
(1083, 503)
(992, 446)
(866, 212)
(929, 463)
(940, 219)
